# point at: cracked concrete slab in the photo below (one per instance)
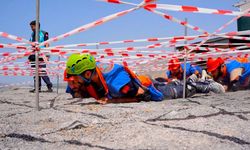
(202, 122)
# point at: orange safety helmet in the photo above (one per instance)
(65, 77)
(174, 64)
(213, 64)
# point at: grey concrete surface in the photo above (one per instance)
(201, 122)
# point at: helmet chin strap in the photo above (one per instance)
(87, 81)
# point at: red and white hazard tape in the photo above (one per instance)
(13, 46)
(236, 37)
(163, 66)
(132, 51)
(247, 32)
(183, 23)
(122, 2)
(17, 44)
(221, 28)
(130, 41)
(181, 8)
(7, 54)
(96, 23)
(127, 54)
(106, 53)
(204, 56)
(90, 25)
(131, 56)
(27, 73)
(61, 65)
(13, 58)
(214, 44)
(63, 51)
(210, 49)
(13, 37)
(3, 68)
(195, 57)
(193, 9)
(129, 49)
(169, 56)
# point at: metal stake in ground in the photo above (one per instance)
(37, 54)
(185, 63)
(58, 77)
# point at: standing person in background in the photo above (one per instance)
(43, 36)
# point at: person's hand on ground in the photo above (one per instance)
(103, 100)
(77, 95)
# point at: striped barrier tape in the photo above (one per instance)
(173, 19)
(13, 58)
(91, 25)
(193, 9)
(15, 38)
(132, 50)
(221, 28)
(153, 39)
(181, 8)
(149, 66)
(13, 46)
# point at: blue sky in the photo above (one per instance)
(60, 16)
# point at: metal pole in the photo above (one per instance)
(185, 63)
(37, 53)
(58, 76)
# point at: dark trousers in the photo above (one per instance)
(173, 90)
(45, 79)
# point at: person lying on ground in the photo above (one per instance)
(114, 83)
(198, 81)
(176, 70)
(233, 74)
(107, 83)
(201, 85)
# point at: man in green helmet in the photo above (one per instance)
(107, 83)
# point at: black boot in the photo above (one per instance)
(34, 90)
(49, 90)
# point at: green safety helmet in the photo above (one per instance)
(78, 63)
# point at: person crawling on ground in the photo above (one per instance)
(232, 74)
(114, 83)
(196, 77)
(176, 70)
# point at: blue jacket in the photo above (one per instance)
(43, 36)
(190, 69)
(231, 65)
(116, 77)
